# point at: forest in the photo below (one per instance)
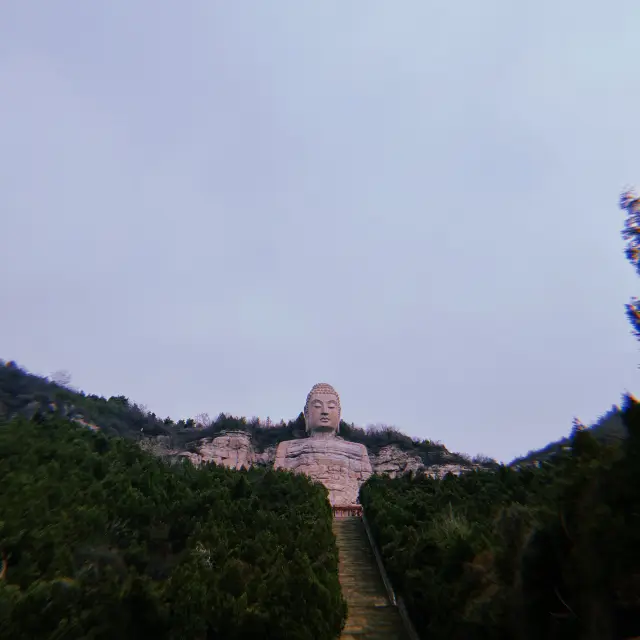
(519, 554)
(101, 540)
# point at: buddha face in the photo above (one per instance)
(322, 411)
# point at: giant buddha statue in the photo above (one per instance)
(340, 465)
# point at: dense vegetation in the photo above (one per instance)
(543, 552)
(608, 429)
(101, 540)
(22, 393)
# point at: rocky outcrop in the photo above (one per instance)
(441, 470)
(393, 461)
(235, 450)
(341, 466)
(232, 449)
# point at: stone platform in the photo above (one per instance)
(350, 511)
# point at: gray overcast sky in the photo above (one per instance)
(212, 205)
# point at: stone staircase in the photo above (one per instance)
(371, 616)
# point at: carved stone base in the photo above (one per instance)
(354, 511)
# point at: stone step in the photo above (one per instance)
(371, 616)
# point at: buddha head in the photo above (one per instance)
(322, 410)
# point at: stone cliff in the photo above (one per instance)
(393, 461)
(234, 449)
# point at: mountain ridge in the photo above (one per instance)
(23, 393)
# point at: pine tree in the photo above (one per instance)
(630, 202)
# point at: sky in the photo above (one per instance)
(209, 206)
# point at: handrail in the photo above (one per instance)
(395, 601)
(406, 620)
(383, 571)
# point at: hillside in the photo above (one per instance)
(25, 394)
(608, 429)
(99, 535)
(101, 540)
(541, 552)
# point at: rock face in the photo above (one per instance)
(441, 470)
(232, 449)
(394, 462)
(341, 466)
(235, 450)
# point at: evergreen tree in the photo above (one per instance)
(99, 539)
(630, 203)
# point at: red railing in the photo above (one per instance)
(352, 511)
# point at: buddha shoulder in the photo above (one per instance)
(354, 446)
(303, 445)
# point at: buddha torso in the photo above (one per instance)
(341, 466)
